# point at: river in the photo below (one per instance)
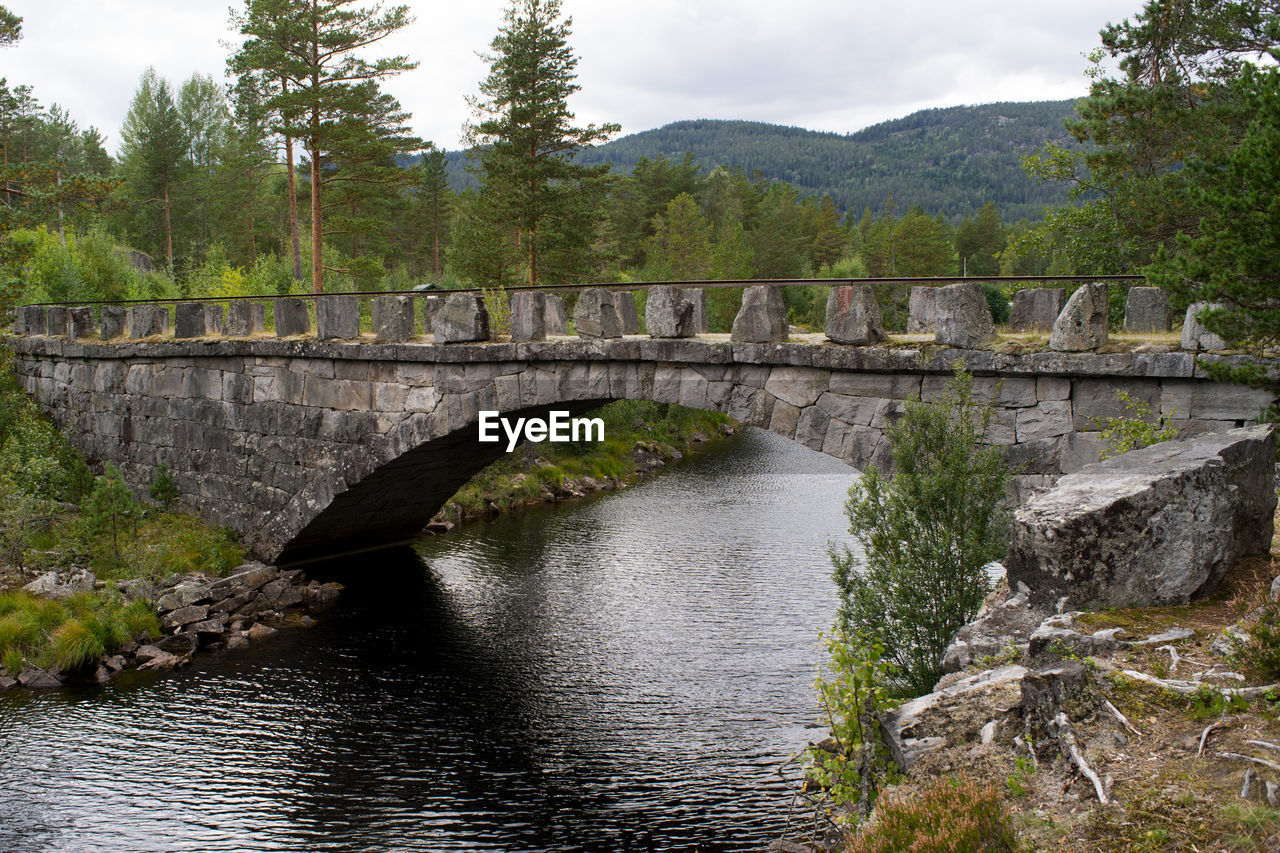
(621, 673)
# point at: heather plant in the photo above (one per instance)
(949, 816)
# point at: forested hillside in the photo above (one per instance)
(949, 161)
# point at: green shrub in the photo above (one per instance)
(1260, 651)
(163, 490)
(998, 302)
(928, 531)
(947, 817)
(1136, 429)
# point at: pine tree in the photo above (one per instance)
(154, 147)
(526, 140)
(432, 205)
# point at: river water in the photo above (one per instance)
(622, 673)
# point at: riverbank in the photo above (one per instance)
(639, 437)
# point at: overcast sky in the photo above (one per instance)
(837, 65)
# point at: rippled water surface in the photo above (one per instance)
(626, 673)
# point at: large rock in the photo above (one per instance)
(1195, 336)
(214, 318)
(1004, 628)
(337, 318)
(38, 679)
(245, 318)
(462, 319)
(1146, 309)
(853, 316)
(554, 315)
(1156, 526)
(1035, 309)
(528, 316)
(61, 585)
(392, 318)
(291, 316)
(668, 313)
(56, 321)
(1082, 325)
(963, 316)
(922, 311)
(624, 301)
(697, 296)
(762, 319)
(596, 314)
(33, 319)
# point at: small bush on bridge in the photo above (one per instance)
(928, 531)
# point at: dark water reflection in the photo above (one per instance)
(622, 674)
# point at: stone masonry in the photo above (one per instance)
(307, 448)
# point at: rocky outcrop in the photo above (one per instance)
(1155, 526)
(963, 316)
(1035, 309)
(853, 316)
(1082, 325)
(62, 584)
(1003, 629)
(762, 319)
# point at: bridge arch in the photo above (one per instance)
(307, 448)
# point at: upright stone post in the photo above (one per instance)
(214, 322)
(528, 316)
(922, 311)
(113, 320)
(80, 322)
(337, 318)
(147, 320)
(1146, 310)
(1035, 309)
(245, 318)
(698, 299)
(1082, 325)
(462, 319)
(33, 319)
(624, 302)
(596, 315)
(1195, 336)
(189, 320)
(56, 320)
(430, 306)
(963, 316)
(762, 319)
(392, 318)
(554, 315)
(668, 313)
(853, 316)
(291, 316)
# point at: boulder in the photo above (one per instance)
(247, 576)
(922, 311)
(1004, 627)
(853, 316)
(596, 314)
(245, 318)
(113, 321)
(7, 683)
(62, 585)
(462, 319)
(624, 302)
(291, 316)
(1146, 309)
(762, 319)
(184, 595)
(183, 643)
(1195, 336)
(528, 316)
(1082, 325)
(337, 318)
(554, 314)
(80, 323)
(145, 321)
(56, 321)
(38, 679)
(963, 317)
(320, 597)
(668, 313)
(148, 652)
(175, 619)
(189, 320)
(1156, 526)
(392, 318)
(1035, 309)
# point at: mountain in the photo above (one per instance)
(949, 161)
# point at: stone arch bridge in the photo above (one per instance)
(310, 448)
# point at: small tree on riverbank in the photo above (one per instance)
(928, 532)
